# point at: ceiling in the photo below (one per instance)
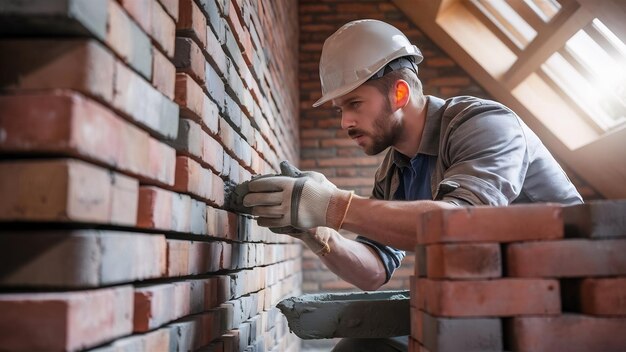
(560, 64)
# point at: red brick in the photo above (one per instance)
(172, 7)
(222, 224)
(139, 11)
(153, 307)
(603, 296)
(194, 104)
(163, 74)
(192, 23)
(200, 258)
(154, 208)
(142, 103)
(57, 321)
(193, 332)
(178, 257)
(128, 40)
(495, 224)
(69, 129)
(416, 324)
(568, 332)
(156, 340)
(162, 161)
(163, 29)
(554, 258)
(226, 258)
(82, 65)
(212, 153)
(79, 258)
(599, 219)
(363, 161)
(463, 261)
(216, 53)
(210, 293)
(193, 179)
(504, 297)
(189, 59)
(223, 289)
(65, 190)
(182, 298)
(124, 199)
(217, 191)
(240, 33)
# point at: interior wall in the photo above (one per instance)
(120, 124)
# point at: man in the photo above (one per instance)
(461, 151)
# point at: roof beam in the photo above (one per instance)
(554, 35)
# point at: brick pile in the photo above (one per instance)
(120, 123)
(521, 278)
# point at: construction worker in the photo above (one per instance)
(461, 151)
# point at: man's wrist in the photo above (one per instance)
(338, 208)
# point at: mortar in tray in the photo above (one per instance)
(357, 314)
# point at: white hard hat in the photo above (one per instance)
(356, 52)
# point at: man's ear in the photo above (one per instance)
(401, 95)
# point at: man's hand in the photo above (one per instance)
(303, 202)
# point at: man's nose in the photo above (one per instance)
(347, 120)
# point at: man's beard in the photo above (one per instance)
(385, 134)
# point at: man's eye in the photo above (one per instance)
(355, 104)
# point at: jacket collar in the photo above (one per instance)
(429, 144)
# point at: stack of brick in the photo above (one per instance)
(521, 278)
(120, 123)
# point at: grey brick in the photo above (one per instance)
(461, 334)
(79, 258)
(599, 219)
(54, 17)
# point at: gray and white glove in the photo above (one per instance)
(304, 202)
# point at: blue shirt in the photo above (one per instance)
(415, 178)
(414, 185)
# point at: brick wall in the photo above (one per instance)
(326, 148)
(120, 123)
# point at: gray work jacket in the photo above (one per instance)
(486, 155)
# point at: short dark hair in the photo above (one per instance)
(387, 82)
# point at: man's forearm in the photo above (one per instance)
(393, 223)
(354, 262)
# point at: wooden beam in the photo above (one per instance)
(563, 26)
(493, 27)
(527, 13)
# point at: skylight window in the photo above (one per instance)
(507, 20)
(545, 9)
(593, 74)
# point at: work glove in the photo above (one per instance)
(236, 192)
(303, 202)
(316, 239)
